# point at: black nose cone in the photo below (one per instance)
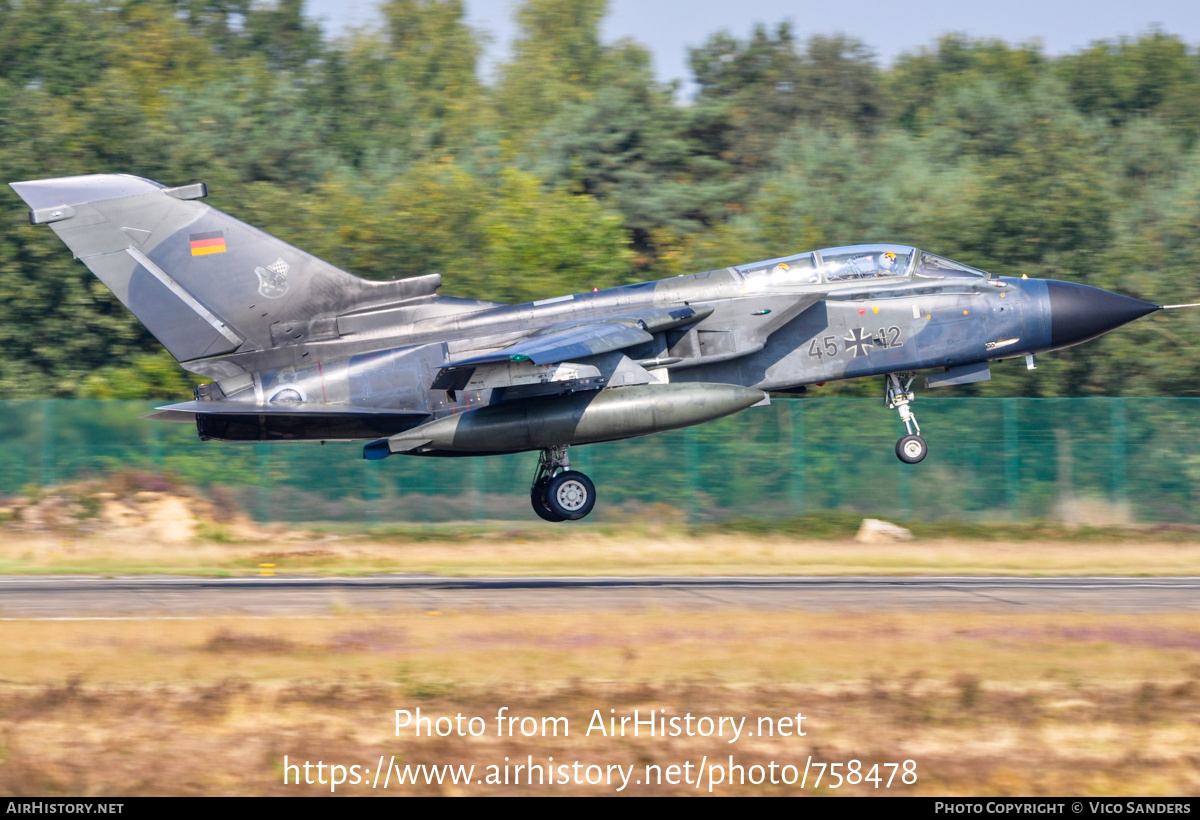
(1080, 312)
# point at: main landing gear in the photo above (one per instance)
(911, 448)
(558, 492)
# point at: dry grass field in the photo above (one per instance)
(502, 552)
(1033, 703)
(1030, 704)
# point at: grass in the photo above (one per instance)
(502, 552)
(985, 704)
(822, 526)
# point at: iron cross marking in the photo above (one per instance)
(857, 342)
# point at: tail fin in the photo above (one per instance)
(202, 282)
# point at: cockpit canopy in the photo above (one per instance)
(834, 265)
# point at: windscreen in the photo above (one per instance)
(930, 266)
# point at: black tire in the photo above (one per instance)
(912, 449)
(571, 494)
(537, 498)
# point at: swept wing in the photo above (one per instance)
(573, 342)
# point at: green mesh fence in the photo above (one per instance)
(989, 459)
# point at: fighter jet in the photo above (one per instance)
(300, 350)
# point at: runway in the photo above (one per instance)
(62, 597)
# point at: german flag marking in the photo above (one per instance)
(206, 243)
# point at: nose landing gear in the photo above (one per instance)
(559, 493)
(910, 449)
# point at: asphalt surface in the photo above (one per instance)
(53, 597)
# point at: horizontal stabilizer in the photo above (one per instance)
(173, 416)
(47, 194)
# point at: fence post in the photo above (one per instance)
(691, 470)
(1012, 460)
(49, 473)
(478, 513)
(156, 449)
(1119, 488)
(371, 493)
(263, 452)
(798, 445)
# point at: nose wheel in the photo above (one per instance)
(559, 493)
(910, 449)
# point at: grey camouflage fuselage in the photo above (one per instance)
(298, 349)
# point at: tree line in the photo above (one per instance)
(383, 152)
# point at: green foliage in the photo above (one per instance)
(918, 82)
(383, 153)
(557, 59)
(41, 44)
(430, 56)
(1130, 78)
(633, 149)
(1043, 203)
(753, 93)
(842, 189)
(426, 220)
(542, 241)
(146, 374)
(773, 82)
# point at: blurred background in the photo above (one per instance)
(1108, 462)
(531, 149)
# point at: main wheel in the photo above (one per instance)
(571, 495)
(911, 449)
(537, 498)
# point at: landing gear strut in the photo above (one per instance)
(559, 493)
(911, 448)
